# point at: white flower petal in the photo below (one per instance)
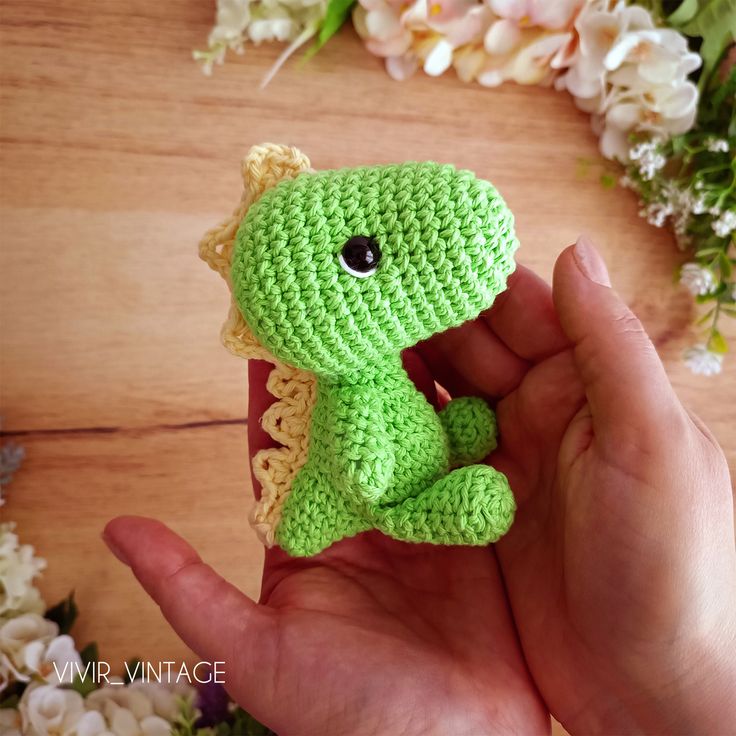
(624, 115)
(91, 724)
(155, 726)
(439, 58)
(401, 67)
(382, 23)
(614, 143)
(501, 37)
(555, 15)
(514, 9)
(620, 50)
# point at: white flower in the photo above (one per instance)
(630, 75)
(698, 280)
(55, 662)
(542, 13)
(92, 724)
(717, 145)
(134, 710)
(260, 20)
(49, 711)
(15, 636)
(725, 224)
(108, 699)
(164, 699)
(702, 361)
(18, 568)
(231, 19)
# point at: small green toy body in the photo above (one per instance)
(337, 272)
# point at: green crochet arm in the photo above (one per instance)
(470, 425)
(361, 460)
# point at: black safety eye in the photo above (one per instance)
(360, 256)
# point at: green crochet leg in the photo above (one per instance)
(309, 524)
(471, 505)
(470, 425)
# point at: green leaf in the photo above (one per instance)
(702, 320)
(84, 686)
(90, 653)
(717, 343)
(64, 614)
(716, 25)
(686, 12)
(337, 13)
(245, 725)
(678, 144)
(725, 266)
(705, 252)
(608, 180)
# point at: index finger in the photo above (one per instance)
(524, 318)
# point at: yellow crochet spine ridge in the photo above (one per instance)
(287, 419)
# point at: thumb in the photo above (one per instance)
(214, 618)
(629, 394)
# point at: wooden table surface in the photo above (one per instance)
(117, 154)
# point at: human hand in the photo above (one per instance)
(372, 636)
(620, 567)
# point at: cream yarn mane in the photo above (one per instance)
(287, 419)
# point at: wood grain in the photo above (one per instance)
(117, 154)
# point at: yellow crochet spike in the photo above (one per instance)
(287, 420)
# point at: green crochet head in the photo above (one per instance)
(336, 272)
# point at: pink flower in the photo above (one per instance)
(551, 14)
(424, 32)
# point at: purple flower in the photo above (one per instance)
(212, 701)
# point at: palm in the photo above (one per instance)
(545, 433)
(379, 614)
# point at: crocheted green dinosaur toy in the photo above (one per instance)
(337, 272)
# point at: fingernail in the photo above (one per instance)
(115, 549)
(590, 262)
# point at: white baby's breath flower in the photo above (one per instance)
(717, 145)
(698, 206)
(628, 183)
(725, 224)
(18, 568)
(46, 710)
(656, 213)
(702, 361)
(698, 280)
(648, 158)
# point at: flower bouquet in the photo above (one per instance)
(658, 79)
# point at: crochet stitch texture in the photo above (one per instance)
(440, 247)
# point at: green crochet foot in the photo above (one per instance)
(308, 527)
(471, 505)
(470, 425)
